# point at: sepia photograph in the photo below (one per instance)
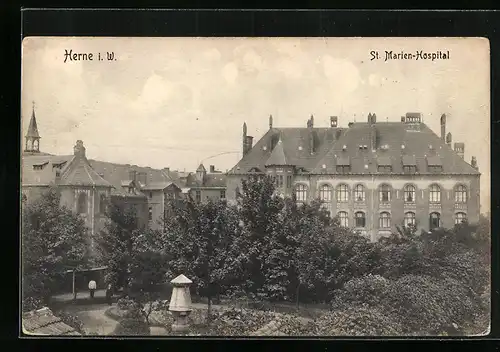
(197, 186)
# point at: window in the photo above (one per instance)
(342, 193)
(131, 190)
(409, 193)
(150, 214)
(150, 195)
(198, 196)
(325, 207)
(434, 194)
(223, 194)
(385, 168)
(360, 219)
(343, 218)
(409, 169)
(434, 221)
(325, 194)
(301, 193)
(102, 203)
(81, 205)
(460, 218)
(385, 193)
(385, 220)
(279, 181)
(343, 169)
(409, 219)
(359, 193)
(24, 198)
(289, 181)
(460, 194)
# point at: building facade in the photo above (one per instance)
(372, 175)
(87, 185)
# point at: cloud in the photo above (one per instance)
(212, 55)
(343, 76)
(230, 73)
(155, 92)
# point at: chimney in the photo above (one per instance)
(473, 163)
(212, 169)
(448, 139)
(312, 121)
(248, 144)
(166, 170)
(79, 149)
(443, 127)
(333, 121)
(403, 119)
(142, 178)
(270, 121)
(350, 124)
(132, 175)
(374, 119)
(373, 137)
(244, 138)
(460, 149)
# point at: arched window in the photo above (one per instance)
(325, 194)
(460, 218)
(301, 193)
(409, 219)
(81, 205)
(359, 193)
(385, 194)
(360, 219)
(342, 193)
(343, 218)
(409, 194)
(460, 194)
(102, 203)
(385, 220)
(434, 194)
(434, 221)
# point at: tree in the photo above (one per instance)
(197, 239)
(53, 240)
(115, 243)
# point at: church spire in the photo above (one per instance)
(32, 136)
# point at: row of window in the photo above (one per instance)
(407, 169)
(385, 219)
(342, 193)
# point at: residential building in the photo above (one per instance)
(372, 175)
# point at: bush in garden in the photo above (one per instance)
(357, 321)
(238, 322)
(370, 290)
(125, 304)
(70, 320)
(132, 327)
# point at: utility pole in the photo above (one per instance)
(74, 284)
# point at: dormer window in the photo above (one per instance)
(343, 165)
(39, 166)
(131, 190)
(384, 164)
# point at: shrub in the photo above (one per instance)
(238, 322)
(357, 321)
(125, 304)
(369, 290)
(133, 327)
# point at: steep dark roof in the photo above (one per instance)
(80, 172)
(216, 180)
(296, 143)
(33, 128)
(44, 322)
(336, 146)
(277, 155)
(47, 174)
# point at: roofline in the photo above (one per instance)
(366, 174)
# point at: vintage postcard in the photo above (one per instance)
(255, 186)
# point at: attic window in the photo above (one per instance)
(300, 147)
(431, 147)
(39, 166)
(384, 147)
(435, 169)
(264, 148)
(344, 147)
(402, 146)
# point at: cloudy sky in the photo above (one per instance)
(175, 102)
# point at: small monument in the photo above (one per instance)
(180, 303)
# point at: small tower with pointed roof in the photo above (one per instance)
(201, 172)
(32, 136)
